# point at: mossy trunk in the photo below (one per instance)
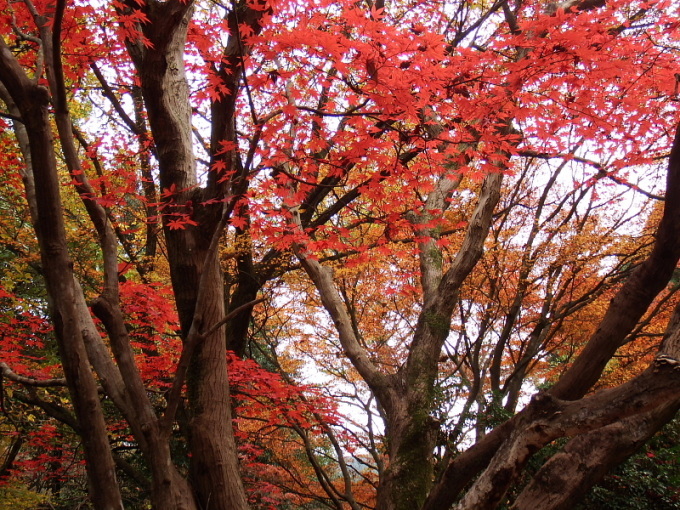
(408, 478)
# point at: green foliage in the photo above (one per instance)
(494, 413)
(649, 480)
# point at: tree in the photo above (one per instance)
(272, 141)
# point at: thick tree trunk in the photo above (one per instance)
(169, 489)
(563, 481)
(411, 435)
(651, 397)
(194, 263)
(406, 397)
(410, 430)
(587, 458)
(214, 466)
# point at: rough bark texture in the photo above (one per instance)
(548, 418)
(32, 101)
(585, 460)
(214, 466)
(194, 263)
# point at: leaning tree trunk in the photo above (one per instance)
(33, 102)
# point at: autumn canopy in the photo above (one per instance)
(391, 255)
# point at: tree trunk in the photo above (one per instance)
(214, 466)
(411, 435)
(563, 481)
(194, 263)
(33, 102)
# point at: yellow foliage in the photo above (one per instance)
(16, 496)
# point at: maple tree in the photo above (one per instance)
(436, 193)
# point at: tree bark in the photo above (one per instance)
(194, 262)
(585, 460)
(32, 100)
(547, 418)
(563, 481)
(625, 309)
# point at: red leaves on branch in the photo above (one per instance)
(23, 335)
(347, 120)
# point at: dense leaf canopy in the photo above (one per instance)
(329, 254)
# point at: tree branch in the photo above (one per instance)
(7, 372)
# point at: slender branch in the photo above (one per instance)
(11, 117)
(7, 372)
(241, 52)
(108, 94)
(231, 315)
